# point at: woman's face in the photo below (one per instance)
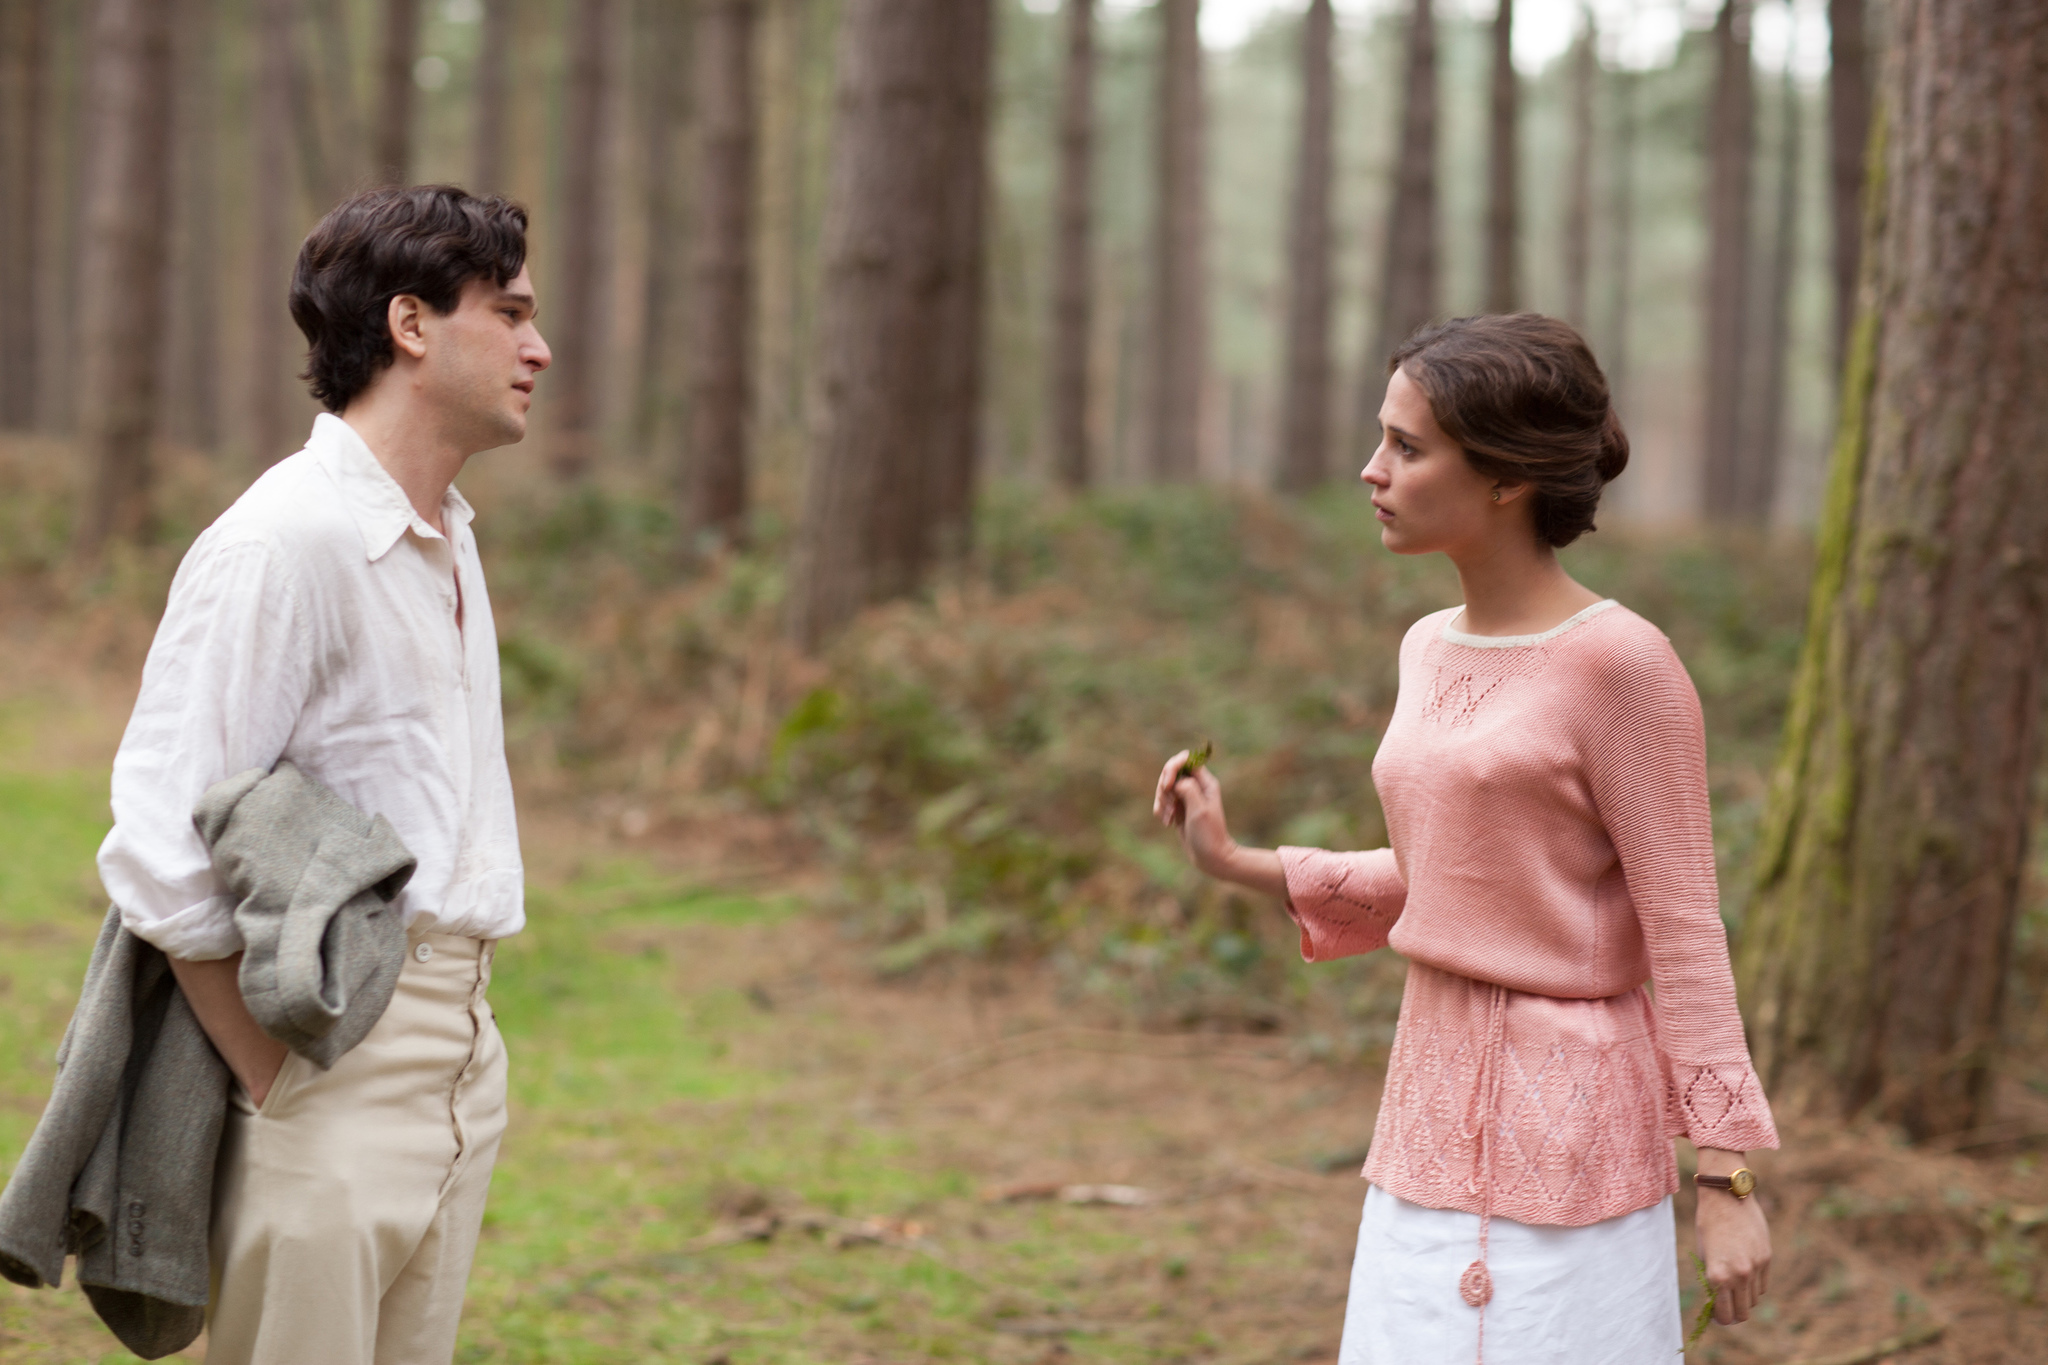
(1426, 494)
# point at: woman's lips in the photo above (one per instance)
(1381, 512)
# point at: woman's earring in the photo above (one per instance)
(1496, 495)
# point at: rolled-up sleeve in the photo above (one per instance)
(1344, 903)
(226, 679)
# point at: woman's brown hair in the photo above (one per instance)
(1522, 394)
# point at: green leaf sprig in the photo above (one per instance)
(1197, 759)
(1706, 1313)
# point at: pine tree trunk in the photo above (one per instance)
(665, 35)
(1073, 299)
(1408, 292)
(954, 476)
(1765, 448)
(270, 247)
(126, 251)
(192, 356)
(1848, 149)
(1503, 169)
(394, 91)
(787, 250)
(1180, 341)
(1622, 242)
(1890, 860)
(325, 107)
(721, 267)
(888, 248)
(1578, 202)
(1305, 408)
(578, 336)
(1731, 149)
(493, 101)
(24, 85)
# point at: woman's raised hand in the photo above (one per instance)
(1193, 803)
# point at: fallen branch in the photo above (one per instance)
(1922, 1335)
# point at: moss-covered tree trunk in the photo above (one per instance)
(1875, 951)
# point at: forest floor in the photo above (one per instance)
(732, 1141)
(840, 970)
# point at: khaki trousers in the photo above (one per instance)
(347, 1208)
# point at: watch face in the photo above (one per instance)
(1742, 1183)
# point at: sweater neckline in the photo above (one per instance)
(1579, 617)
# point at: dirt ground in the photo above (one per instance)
(1239, 1250)
(1884, 1252)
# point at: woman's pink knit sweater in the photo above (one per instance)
(1546, 802)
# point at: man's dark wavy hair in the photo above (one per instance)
(428, 241)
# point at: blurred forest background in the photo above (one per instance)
(624, 141)
(955, 409)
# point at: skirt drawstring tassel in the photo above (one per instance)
(1475, 1286)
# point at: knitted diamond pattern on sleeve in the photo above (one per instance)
(1546, 804)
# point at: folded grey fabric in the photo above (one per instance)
(315, 878)
(119, 1170)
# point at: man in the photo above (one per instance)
(336, 616)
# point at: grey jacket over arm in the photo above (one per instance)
(119, 1171)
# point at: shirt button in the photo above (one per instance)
(423, 951)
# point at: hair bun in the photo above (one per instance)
(1613, 447)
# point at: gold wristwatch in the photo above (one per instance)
(1741, 1182)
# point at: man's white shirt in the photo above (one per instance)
(316, 621)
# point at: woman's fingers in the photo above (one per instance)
(1161, 806)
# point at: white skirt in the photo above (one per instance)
(1603, 1294)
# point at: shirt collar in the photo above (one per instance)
(378, 506)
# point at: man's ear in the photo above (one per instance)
(403, 317)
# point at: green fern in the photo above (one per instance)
(1706, 1313)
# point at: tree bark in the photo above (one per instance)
(1503, 169)
(493, 103)
(1073, 246)
(954, 476)
(24, 97)
(1408, 291)
(1621, 250)
(721, 268)
(1759, 490)
(1848, 150)
(1180, 340)
(1305, 408)
(126, 249)
(270, 246)
(1731, 138)
(789, 124)
(192, 343)
(394, 91)
(578, 336)
(1875, 950)
(666, 39)
(888, 248)
(325, 108)
(1578, 203)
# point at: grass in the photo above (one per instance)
(649, 1094)
(967, 771)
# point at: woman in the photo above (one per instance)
(1544, 783)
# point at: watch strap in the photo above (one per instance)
(1741, 1183)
